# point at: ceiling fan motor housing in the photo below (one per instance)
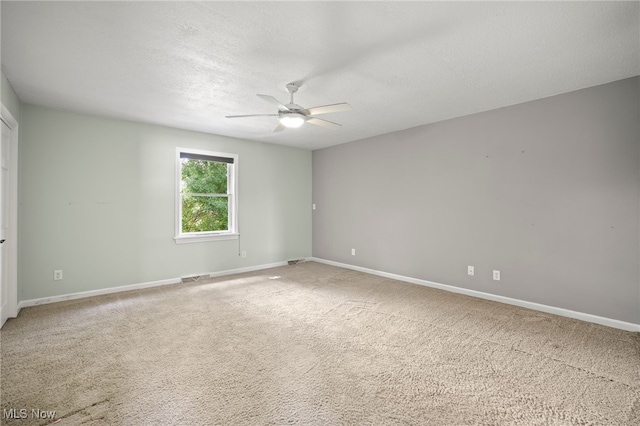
(296, 108)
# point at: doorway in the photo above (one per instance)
(8, 217)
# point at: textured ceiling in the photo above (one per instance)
(399, 64)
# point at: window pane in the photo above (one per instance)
(203, 214)
(203, 177)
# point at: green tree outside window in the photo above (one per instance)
(204, 193)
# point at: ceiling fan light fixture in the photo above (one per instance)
(292, 120)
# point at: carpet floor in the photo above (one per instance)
(312, 344)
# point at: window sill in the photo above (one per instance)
(187, 239)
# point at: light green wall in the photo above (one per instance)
(9, 98)
(97, 201)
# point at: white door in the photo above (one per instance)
(7, 307)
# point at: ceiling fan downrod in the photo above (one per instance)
(292, 88)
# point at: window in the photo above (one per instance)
(206, 196)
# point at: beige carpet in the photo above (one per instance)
(312, 344)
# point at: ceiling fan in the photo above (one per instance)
(292, 115)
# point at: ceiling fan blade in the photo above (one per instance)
(274, 101)
(324, 123)
(279, 128)
(326, 109)
(251, 115)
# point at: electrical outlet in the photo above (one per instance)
(496, 275)
(314, 206)
(57, 275)
(353, 252)
(244, 253)
(470, 270)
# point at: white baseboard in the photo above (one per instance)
(247, 269)
(3, 317)
(91, 293)
(120, 289)
(488, 296)
(517, 302)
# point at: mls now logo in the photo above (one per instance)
(23, 413)
(42, 414)
(14, 413)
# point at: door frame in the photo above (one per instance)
(12, 237)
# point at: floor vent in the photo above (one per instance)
(295, 261)
(194, 278)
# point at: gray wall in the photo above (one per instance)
(97, 201)
(547, 192)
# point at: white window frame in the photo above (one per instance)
(232, 192)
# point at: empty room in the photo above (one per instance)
(320, 213)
